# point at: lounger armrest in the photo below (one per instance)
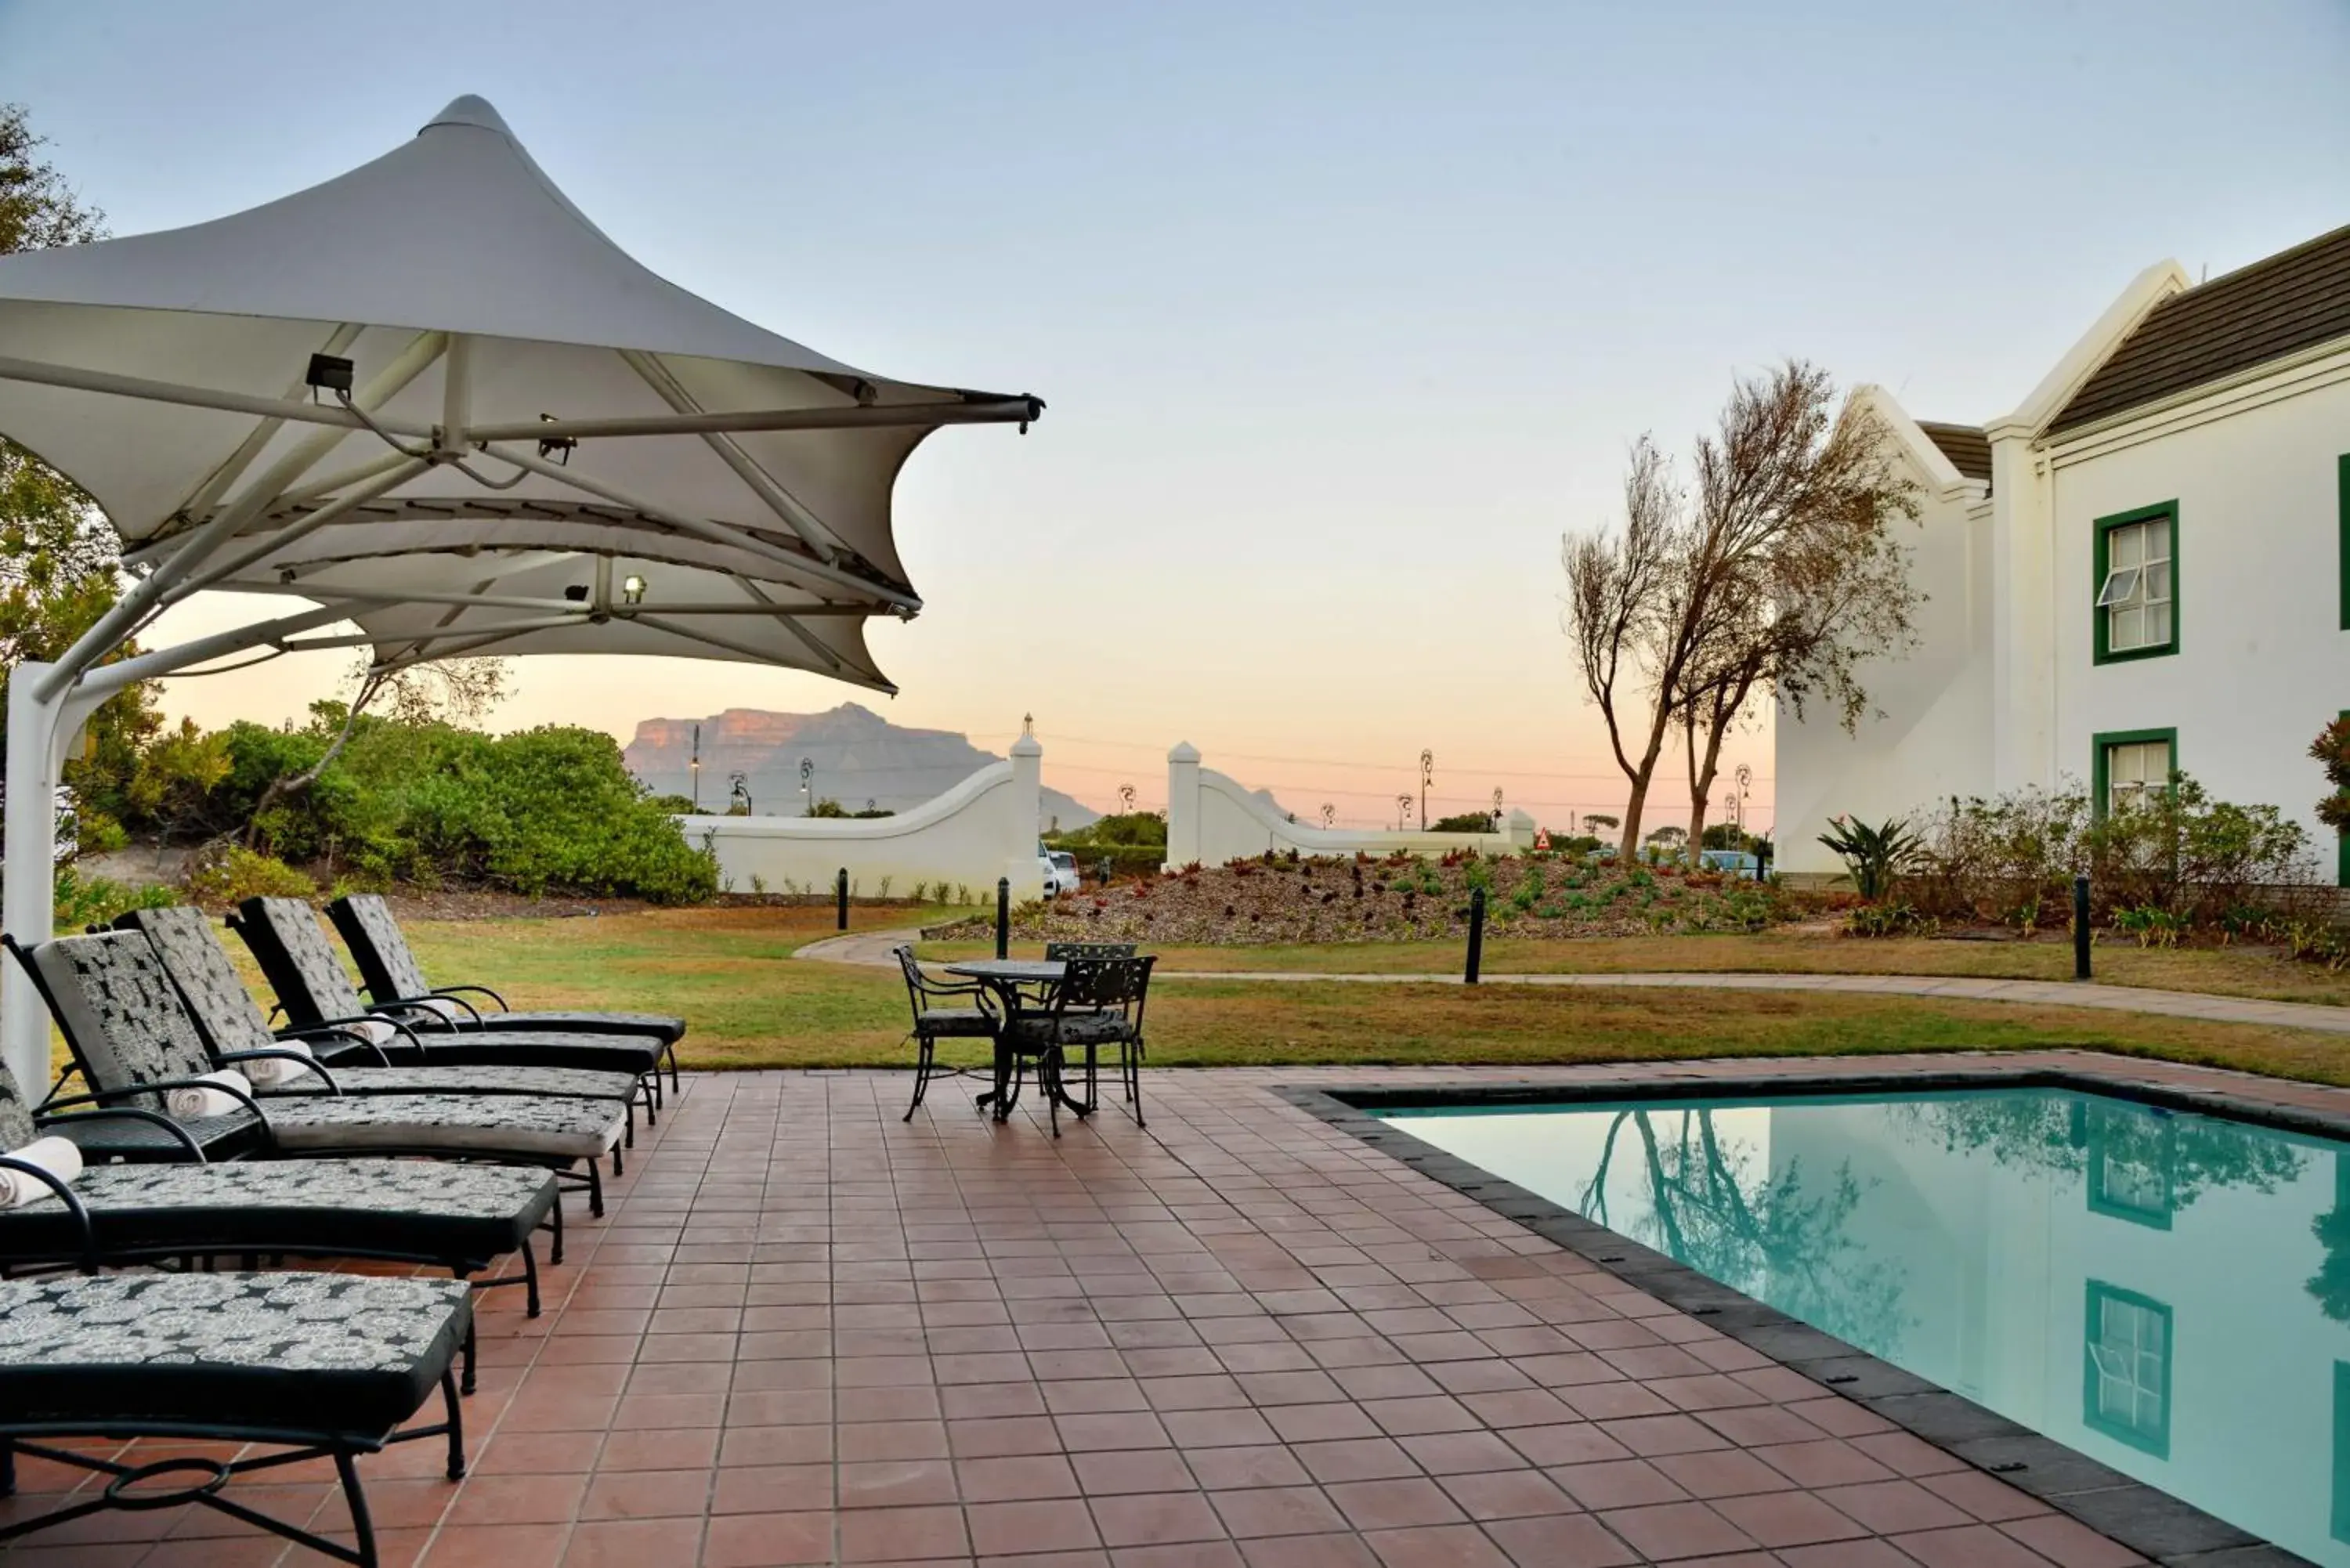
(187, 1140)
(373, 1052)
(451, 992)
(423, 1004)
(412, 1016)
(158, 1086)
(65, 1196)
(309, 1063)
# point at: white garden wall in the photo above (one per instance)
(1212, 818)
(983, 828)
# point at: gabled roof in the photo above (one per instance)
(2287, 302)
(1966, 446)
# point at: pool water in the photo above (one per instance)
(2167, 1292)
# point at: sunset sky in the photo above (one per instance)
(1343, 311)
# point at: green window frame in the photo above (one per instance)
(2133, 1164)
(2340, 1467)
(2100, 746)
(2342, 501)
(2102, 572)
(2342, 836)
(2127, 1345)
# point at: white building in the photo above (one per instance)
(2144, 565)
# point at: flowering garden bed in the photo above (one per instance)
(1283, 899)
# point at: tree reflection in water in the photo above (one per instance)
(1711, 1209)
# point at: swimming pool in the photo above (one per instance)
(2167, 1292)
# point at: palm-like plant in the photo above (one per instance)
(1873, 857)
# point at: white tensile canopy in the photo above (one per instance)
(430, 398)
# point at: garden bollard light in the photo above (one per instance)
(1003, 917)
(840, 896)
(1476, 934)
(2080, 928)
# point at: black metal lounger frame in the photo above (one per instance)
(299, 1443)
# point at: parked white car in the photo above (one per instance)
(1065, 868)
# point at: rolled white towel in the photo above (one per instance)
(268, 1072)
(190, 1104)
(381, 1032)
(57, 1156)
(447, 1009)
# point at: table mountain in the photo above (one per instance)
(860, 756)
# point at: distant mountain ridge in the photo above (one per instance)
(858, 756)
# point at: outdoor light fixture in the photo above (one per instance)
(632, 589)
(555, 447)
(328, 373)
(576, 593)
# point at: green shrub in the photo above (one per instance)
(234, 873)
(1889, 921)
(1874, 857)
(83, 901)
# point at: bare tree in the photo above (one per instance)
(1812, 580)
(1617, 586)
(1781, 575)
(443, 691)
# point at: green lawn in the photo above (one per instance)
(752, 1005)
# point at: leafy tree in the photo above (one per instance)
(415, 695)
(1136, 829)
(1727, 836)
(1465, 822)
(1596, 819)
(59, 563)
(1669, 834)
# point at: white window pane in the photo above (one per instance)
(2155, 578)
(2157, 545)
(2121, 587)
(2157, 625)
(2125, 547)
(2129, 628)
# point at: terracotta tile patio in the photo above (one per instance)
(808, 1333)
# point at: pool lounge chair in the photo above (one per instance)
(236, 1032)
(291, 948)
(134, 1042)
(391, 974)
(310, 1365)
(461, 1217)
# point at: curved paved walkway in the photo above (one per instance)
(873, 947)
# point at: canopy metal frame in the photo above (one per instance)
(232, 527)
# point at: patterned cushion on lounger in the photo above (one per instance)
(192, 956)
(542, 1127)
(350, 1353)
(467, 1214)
(390, 972)
(457, 1079)
(292, 949)
(119, 1009)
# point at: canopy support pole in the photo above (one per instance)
(40, 729)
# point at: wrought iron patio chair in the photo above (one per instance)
(935, 1021)
(1098, 1001)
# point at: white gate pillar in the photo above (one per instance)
(1026, 808)
(1182, 806)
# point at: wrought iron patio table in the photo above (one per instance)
(1004, 977)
